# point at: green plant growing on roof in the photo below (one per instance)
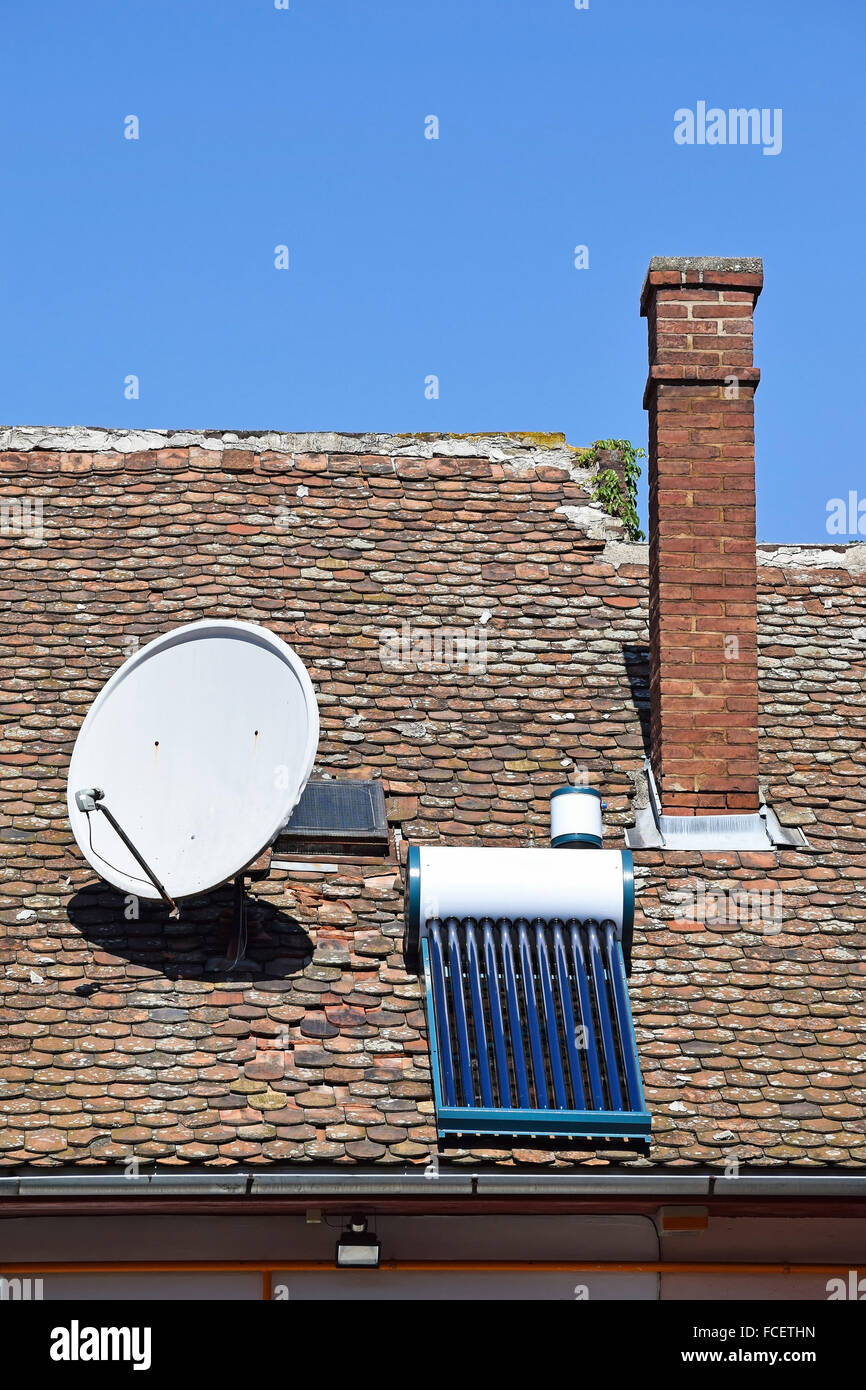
(616, 493)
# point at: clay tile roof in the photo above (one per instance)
(124, 1035)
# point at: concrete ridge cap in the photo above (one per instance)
(107, 439)
(784, 555)
(622, 552)
(794, 555)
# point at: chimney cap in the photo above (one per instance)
(719, 271)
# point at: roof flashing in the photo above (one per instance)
(759, 830)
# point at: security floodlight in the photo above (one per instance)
(356, 1248)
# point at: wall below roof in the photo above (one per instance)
(614, 1239)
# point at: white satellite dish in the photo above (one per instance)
(196, 751)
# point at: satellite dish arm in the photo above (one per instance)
(91, 799)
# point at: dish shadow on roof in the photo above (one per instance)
(201, 946)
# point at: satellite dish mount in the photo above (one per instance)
(91, 799)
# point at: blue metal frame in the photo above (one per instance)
(627, 894)
(413, 889)
(412, 901)
(598, 1124)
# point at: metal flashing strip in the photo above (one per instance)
(760, 830)
(716, 832)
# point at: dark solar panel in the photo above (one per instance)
(531, 1029)
(329, 811)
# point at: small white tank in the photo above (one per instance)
(575, 818)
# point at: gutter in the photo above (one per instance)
(428, 1184)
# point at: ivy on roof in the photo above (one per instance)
(615, 485)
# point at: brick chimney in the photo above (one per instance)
(703, 578)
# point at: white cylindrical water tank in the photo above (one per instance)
(488, 882)
(575, 818)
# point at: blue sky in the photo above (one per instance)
(411, 257)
